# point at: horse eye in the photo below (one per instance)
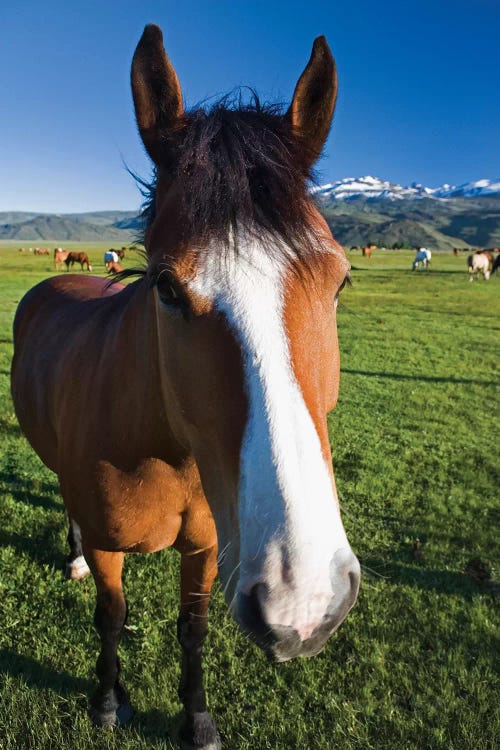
(347, 282)
(167, 292)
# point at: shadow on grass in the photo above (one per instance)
(423, 378)
(156, 725)
(44, 548)
(152, 724)
(37, 675)
(30, 491)
(441, 581)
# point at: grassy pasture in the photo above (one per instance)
(415, 441)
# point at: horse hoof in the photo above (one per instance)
(199, 733)
(77, 569)
(112, 710)
(114, 718)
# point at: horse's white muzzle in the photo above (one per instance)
(291, 618)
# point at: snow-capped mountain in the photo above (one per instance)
(469, 189)
(352, 188)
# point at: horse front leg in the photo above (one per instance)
(76, 565)
(110, 705)
(198, 572)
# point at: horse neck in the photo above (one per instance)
(132, 354)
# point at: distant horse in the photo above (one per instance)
(496, 265)
(119, 253)
(478, 263)
(368, 250)
(110, 256)
(456, 251)
(78, 257)
(489, 253)
(114, 268)
(41, 251)
(203, 386)
(60, 256)
(423, 256)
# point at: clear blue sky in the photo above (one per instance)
(419, 87)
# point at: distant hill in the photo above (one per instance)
(358, 210)
(119, 226)
(439, 223)
(367, 209)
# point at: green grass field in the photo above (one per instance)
(415, 441)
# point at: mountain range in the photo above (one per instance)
(358, 211)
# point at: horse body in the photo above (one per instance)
(102, 469)
(479, 263)
(422, 256)
(114, 268)
(223, 363)
(60, 256)
(110, 256)
(77, 257)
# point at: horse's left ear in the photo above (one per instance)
(156, 91)
(314, 98)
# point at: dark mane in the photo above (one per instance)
(237, 166)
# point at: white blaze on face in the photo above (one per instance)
(290, 526)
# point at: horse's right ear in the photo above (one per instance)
(156, 91)
(313, 102)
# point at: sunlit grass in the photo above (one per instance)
(415, 442)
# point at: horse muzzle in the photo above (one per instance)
(258, 618)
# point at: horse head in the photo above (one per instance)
(245, 277)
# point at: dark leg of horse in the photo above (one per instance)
(197, 575)
(110, 705)
(76, 565)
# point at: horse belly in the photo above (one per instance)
(129, 511)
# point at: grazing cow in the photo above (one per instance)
(81, 258)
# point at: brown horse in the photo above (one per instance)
(60, 256)
(368, 250)
(222, 361)
(113, 268)
(77, 257)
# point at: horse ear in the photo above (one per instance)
(314, 98)
(156, 91)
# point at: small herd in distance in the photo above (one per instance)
(68, 258)
(484, 261)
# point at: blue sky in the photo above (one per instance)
(419, 87)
